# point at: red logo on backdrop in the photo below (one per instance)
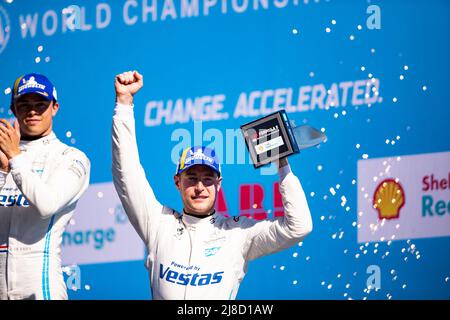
(251, 198)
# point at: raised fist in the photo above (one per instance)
(126, 85)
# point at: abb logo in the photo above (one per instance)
(251, 198)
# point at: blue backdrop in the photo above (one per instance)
(229, 52)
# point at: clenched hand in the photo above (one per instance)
(126, 85)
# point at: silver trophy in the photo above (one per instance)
(274, 136)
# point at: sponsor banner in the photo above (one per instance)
(63, 20)
(256, 103)
(404, 197)
(99, 230)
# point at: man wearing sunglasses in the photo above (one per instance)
(41, 180)
(196, 253)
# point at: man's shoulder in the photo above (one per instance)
(63, 153)
(171, 213)
(69, 151)
(236, 221)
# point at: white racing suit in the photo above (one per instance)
(37, 199)
(194, 258)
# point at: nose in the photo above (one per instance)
(199, 186)
(32, 111)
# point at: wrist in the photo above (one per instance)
(282, 162)
(126, 99)
(19, 161)
(4, 169)
(13, 154)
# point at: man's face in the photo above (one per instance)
(34, 114)
(198, 187)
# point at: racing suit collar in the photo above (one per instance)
(191, 220)
(38, 142)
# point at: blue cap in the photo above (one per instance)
(33, 83)
(198, 155)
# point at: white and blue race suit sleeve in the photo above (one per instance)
(135, 193)
(270, 236)
(65, 186)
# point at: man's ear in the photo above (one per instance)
(176, 180)
(55, 108)
(219, 184)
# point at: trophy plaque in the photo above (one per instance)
(274, 136)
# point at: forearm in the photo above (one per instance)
(265, 237)
(124, 145)
(297, 220)
(133, 189)
(3, 175)
(127, 169)
(62, 189)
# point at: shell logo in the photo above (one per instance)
(388, 199)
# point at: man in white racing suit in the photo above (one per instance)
(197, 254)
(41, 180)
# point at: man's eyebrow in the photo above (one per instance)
(209, 174)
(31, 101)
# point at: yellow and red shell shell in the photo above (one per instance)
(388, 199)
